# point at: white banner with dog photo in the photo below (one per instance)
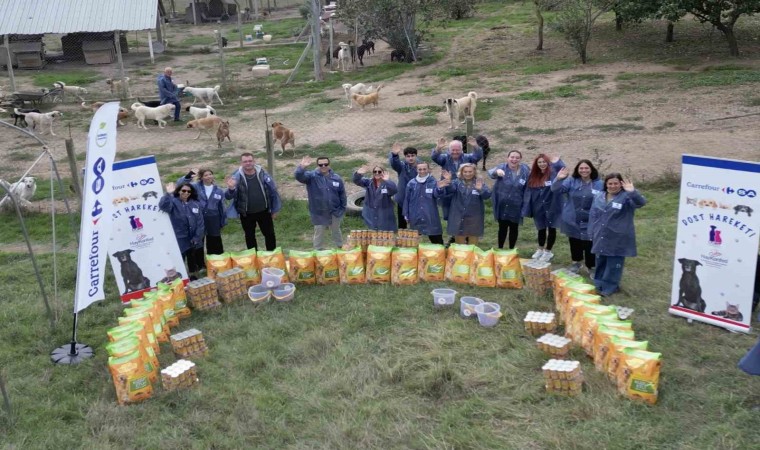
(717, 241)
(143, 249)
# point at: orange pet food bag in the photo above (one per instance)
(431, 262)
(274, 258)
(378, 264)
(246, 260)
(615, 359)
(404, 266)
(351, 266)
(507, 268)
(639, 375)
(459, 262)
(327, 267)
(482, 273)
(302, 267)
(129, 378)
(603, 344)
(217, 263)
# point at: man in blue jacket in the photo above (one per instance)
(167, 91)
(327, 199)
(407, 170)
(256, 200)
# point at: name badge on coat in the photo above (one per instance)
(428, 191)
(475, 192)
(617, 205)
(522, 181)
(547, 183)
(336, 184)
(383, 191)
(594, 191)
(218, 196)
(195, 210)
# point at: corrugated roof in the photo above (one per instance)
(70, 16)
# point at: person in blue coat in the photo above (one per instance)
(211, 198)
(540, 205)
(451, 161)
(420, 206)
(167, 91)
(612, 230)
(327, 199)
(576, 194)
(508, 195)
(378, 206)
(255, 200)
(468, 194)
(406, 170)
(186, 215)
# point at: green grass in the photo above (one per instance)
(613, 127)
(665, 125)
(70, 78)
(533, 95)
(424, 108)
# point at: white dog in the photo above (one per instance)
(39, 121)
(358, 88)
(200, 113)
(344, 56)
(119, 86)
(22, 191)
(467, 106)
(158, 113)
(76, 90)
(206, 95)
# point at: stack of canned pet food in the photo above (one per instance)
(365, 238)
(563, 377)
(202, 294)
(537, 275)
(181, 374)
(556, 346)
(538, 323)
(188, 344)
(408, 238)
(232, 284)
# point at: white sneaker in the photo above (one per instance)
(547, 256)
(538, 254)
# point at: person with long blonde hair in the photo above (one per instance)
(468, 194)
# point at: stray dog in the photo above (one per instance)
(398, 55)
(358, 88)
(18, 114)
(466, 106)
(364, 100)
(22, 191)
(150, 103)
(133, 277)
(200, 113)
(370, 45)
(223, 132)
(285, 136)
(743, 208)
(35, 120)
(452, 110)
(205, 124)
(689, 289)
(485, 146)
(343, 56)
(206, 95)
(158, 113)
(123, 112)
(76, 90)
(119, 86)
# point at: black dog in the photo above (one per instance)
(224, 42)
(743, 208)
(150, 103)
(689, 290)
(369, 45)
(19, 114)
(398, 55)
(150, 194)
(485, 146)
(134, 280)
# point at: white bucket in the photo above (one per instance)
(488, 314)
(285, 292)
(267, 37)
(443, 297)
(467, 306)
(259, 293)
(271, 277)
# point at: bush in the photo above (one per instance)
(460, 9)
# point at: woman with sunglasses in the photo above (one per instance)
(378, 206)
(211, 198)
(468, 194)
(186, 214)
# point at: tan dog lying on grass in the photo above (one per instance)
(205, 125)
(285, 136)
(364, 100)
(223, 132)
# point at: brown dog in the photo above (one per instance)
(94, 106)
(364, 100)
(205, 125)
(285, 136)
(223, 132)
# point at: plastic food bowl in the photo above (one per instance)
(488, 314)
(271, 277)
(467, 307)
(285, 292)
(259, 293)
(443, 297)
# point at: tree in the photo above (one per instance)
(576, 20)
(538, 7)
(722, 14)
(636, 11)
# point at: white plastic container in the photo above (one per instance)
(443, 297)
(467, 307)
(259, 293)
(285, 292)
(271, 277)
(267, 37)
(488, 314)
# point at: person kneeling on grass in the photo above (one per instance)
(612, 230)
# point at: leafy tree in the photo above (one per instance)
(538, 7)
(576, 20)
(636, 11)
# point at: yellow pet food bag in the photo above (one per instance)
(615, 359)
(217, 263)
(128, 345)
(378, 264)
(326, 267)
(147, 324)
(431, 262)
(639, 376)
(458, 263)
(589, 326)
(482, 273)
(302, 267)
(274, 258)
(603, 344)
(404, 266)
(507, 268)
(246, 260)
(351, 266)
(130, 379)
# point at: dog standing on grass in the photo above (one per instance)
(75, 90)
(455, 107)
(285, 136)
(223, 132)
(38, 121)
(205, 125)
(371, 98)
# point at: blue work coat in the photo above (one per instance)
(405, 173)
(378, 207)
(167, 90)
(467, 212)
(611, 223)
(326, 194)
(420, 207)
(509, 192)
(214, 215)
(576, 198)
(444, 160)
(239, 195)
(539, 202)
(187, 221)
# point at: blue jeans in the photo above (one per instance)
(609, 272)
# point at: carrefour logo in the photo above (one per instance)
(101, 137)
(97, 186)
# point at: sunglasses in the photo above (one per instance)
(323, 164)
(377, 171)
(185, 191)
